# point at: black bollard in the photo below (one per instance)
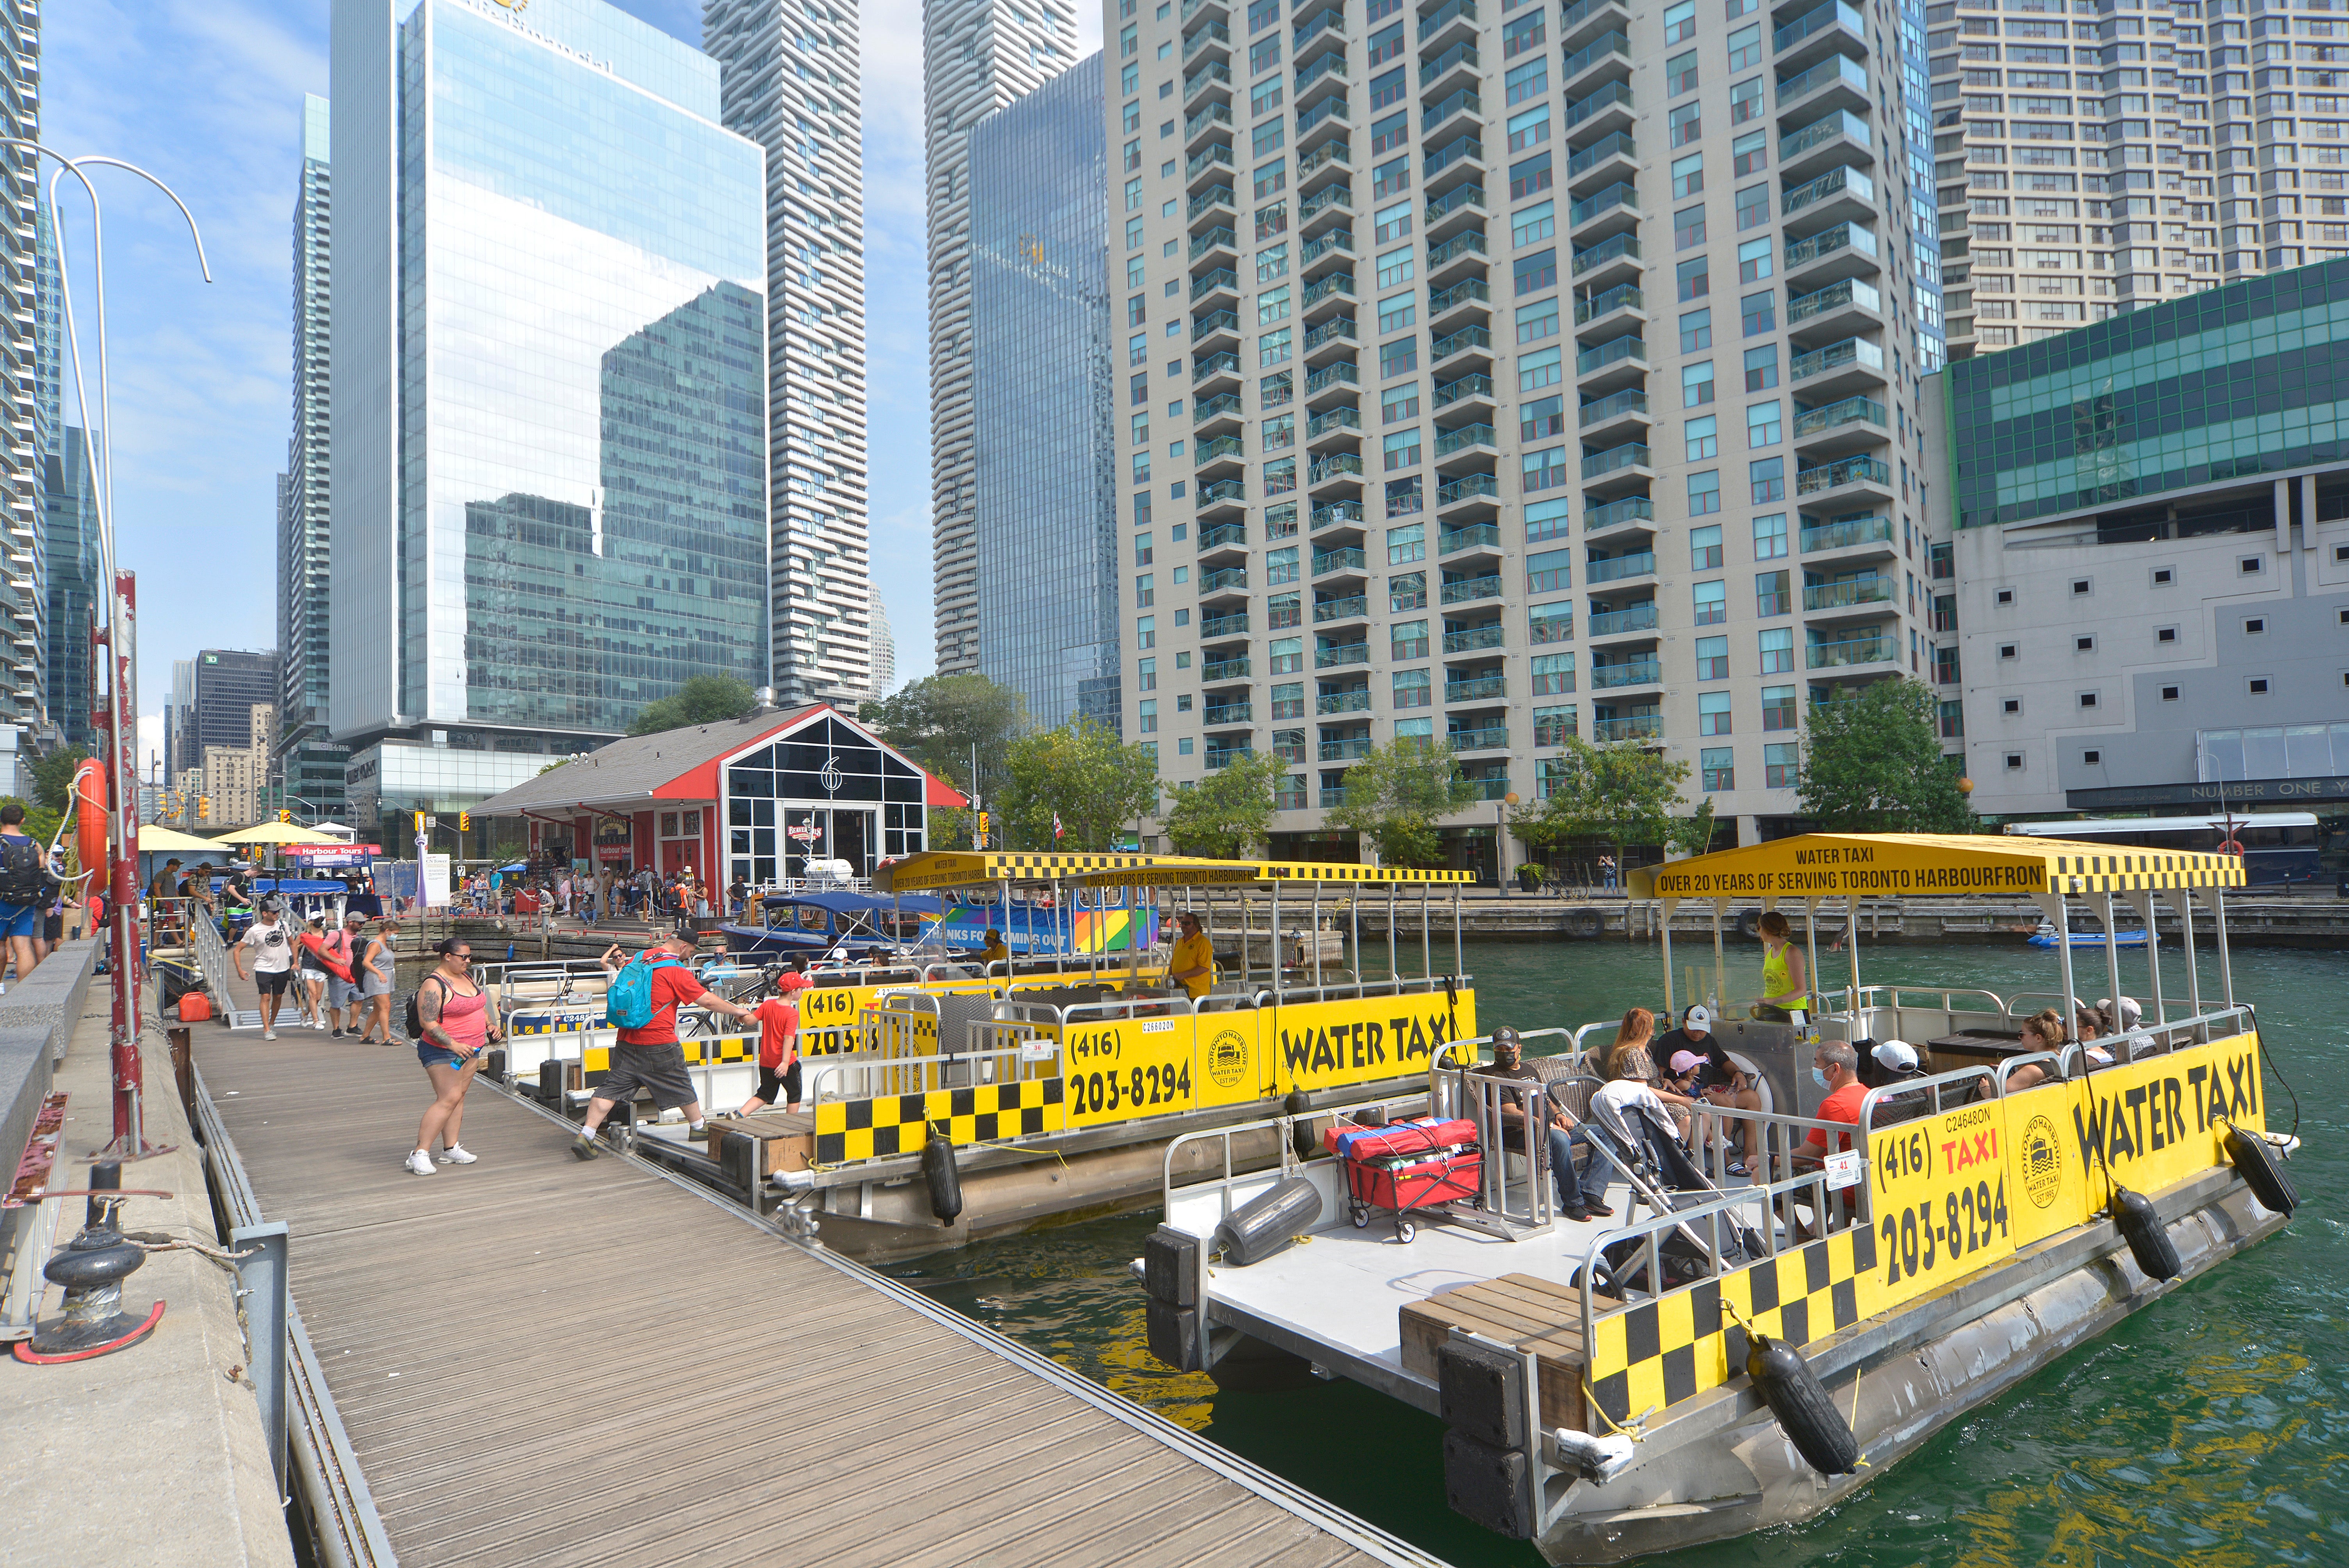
(91, 1271)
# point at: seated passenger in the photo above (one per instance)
(1720, 1081)
(994, 952)
(1893, 1062)
(1631, 1058)
(2041, 1032)
(1835, 1067)
(1580, 1198)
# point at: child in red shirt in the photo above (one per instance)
(779, 1054)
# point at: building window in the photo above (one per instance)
(1704, 492)
(1534, 224)
(2164, 633)
(1715, 762)
(1782, 766)
(1398, 312)
(1145, 632)
(1407, 591)
(1704, 548)
(2250, 566)
(1287, 656)
(1534, 272)
(2014, 762)
(1272, 348)
(2080, 586)
(1761, 368)
(1141, 550)
(1679, 22)
(1288, 702)
(1551, 727)
(1700, 434)
(2087, 699)
(1696, 385)
(1713, 713)
(2086, 644)
(1762, 425)
(1680, 75)
(1407, 543)
(1280, 565)
(1696, 330)
(2170, 694)
(1711, 603)
(1272, 306)
(1768, 478)
(1530, 128)
(1685, 125)
(2012, 704)
(1145, 590)
(1696, 280)
(1543, 419)
(1753, 260)
(1688, 176)
(1778, 705)
(2092, 759)
(1749, 154)
(1753, 207)
(1537, 321)
(1713, 658)
(1411, 688)
(1687, 228)
(1770, 536)
(1395, 267)
(2258, 686)
(1550, 571)
(1147, 710)
(1553, 674)
(1547, 624)
(1777, 649)
(1392, 223)
(1407, 640)
(1183, 746)
(2255, 626)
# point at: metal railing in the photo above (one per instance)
(1841, 122)
(1845, 533)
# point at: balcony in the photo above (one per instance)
(1617, 568)
(1627, 621)
(1624, 672)
(1229, 580)
(1336, 286)
(1207, 120)
(1607, 56)
(1338, 377)
(1854, 651)
(1473, 640)
(1489, 737)
(1232, 625)
(1335, 422)
(1208, 413)
(1861, 536)
(1469, 590)
(1336, 466)
(1851, 426)
(1590, 308)
(1329, 19)
(1466, 489)
(1838, 196)
(1330, 562)
(1353, 607)
(1585, 18)
(1858, 479)
(1215, 239)
(1454, 210)
(1337, 654)
(1222, 493)
(1839, 137)
(1845, 251)
(1834, 28)
(1467, 340)
(1611, 157)
(1325, 115)
(1620, 362)
(1226, 670)
(1208, 159)
(1454, 19)
(1836, 82)
(1623, 413)
(1464, 101)
(1343, 702)
(1334, 154)
(1632, 509)
(1447, 261)
(1443, 303)
(1484, 538)
(1343, 750)
(1609, 262)
(1222, 536)
(1850, 306)
(1472, 388)
(1839, 367)
(1215, 324)
(1614, 210)
(1478, 688)
(1215, 76)
(1214, 454)
(1193, 7)
(1331, 514)
(1860, 598)
(1338, 332)
(1333, 245)
(1216, 368)
(1214, 40)
(1331, 202)
(1216, 198)
(1220, 756)
(1222, 280)
(1607, 109)
(1436, 75)
(1328, 67)
(1630, 727)
(1467, 437)
(1628, 462)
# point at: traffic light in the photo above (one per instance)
(203, 808)
(464, 821)
(283, 815)
(982, 831)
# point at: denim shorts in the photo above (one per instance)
(434, 1056)
(20, 919)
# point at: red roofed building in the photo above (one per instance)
(756, 797)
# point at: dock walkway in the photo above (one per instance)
(541, 1361)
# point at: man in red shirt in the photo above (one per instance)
(779, 1050)
(650, 1058)
(1835, 1067)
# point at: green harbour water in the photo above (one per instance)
(2209, 1429)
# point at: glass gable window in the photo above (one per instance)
(823, 791)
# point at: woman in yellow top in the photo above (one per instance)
(1193, 965)
(994, 952)
(1786, 980)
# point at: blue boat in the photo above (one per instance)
(2045, 937)
(815, 922)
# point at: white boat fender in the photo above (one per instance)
(2148, 1238)
(939, 1175)
(1268, 1223)
(2256, 1164)
(1800, 1402)
(1598, 1459)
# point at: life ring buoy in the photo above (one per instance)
(89, 818)
(1749, 924)
(2231, 847)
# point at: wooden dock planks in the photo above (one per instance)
(542, 1361)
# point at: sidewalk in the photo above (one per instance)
(154, 1455)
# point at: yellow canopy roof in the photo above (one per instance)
(153, 836)
(1172, 870)
(976, 868)
(1900, 865)
(277, 833)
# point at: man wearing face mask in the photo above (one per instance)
(1835, 1068)
(1580, 1200)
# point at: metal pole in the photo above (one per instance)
(263, 1279)
(1720, 959)
(1314, 935)
(1851, 945)
(1459, 953)
(1391, 984)
(2112, 962)
(1811, 942)
(1671, 1006)
(2226, 965)
(1354, 923)
(2063, 946)
(1426, 948)
(2193, 970)
(1275, 944)
(2153, 959)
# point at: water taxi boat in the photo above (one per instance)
(949, 1099)
(1721, 1354)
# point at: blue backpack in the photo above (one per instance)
(628, 1001)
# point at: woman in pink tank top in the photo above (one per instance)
(455, 1013)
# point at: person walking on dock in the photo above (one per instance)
(272, 962)
(647, 1054)
(341, 954)
(457, 1027)
(779, 1042)
(26, 889)
(375, 986)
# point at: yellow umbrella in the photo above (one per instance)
(152, 838)
(277, 833)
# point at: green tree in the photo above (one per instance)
(1395, 796)
(1692, 834)
(53, 776)
(1619, 793)
(40, 821)
(1873, 764)
(702, 699)
(1096, 783)
(1226, 812)
(937, 721)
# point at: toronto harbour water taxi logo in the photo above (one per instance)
(1228, 1059)
(2043, 1161)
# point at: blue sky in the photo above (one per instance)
(207, 95)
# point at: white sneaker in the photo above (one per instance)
(419, 1163)
(458, 1154)
(268, 1034)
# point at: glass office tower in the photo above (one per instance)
(1046, 499)
(549, 456)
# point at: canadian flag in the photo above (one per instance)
(1057, 829)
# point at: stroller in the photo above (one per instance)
(1657, 1169)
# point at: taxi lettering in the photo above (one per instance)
(1982, 1148)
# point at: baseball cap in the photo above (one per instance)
(1699, 1017)
(1683, 1060)
(1505, 1036)
(1895, 1056)
(2129, 1015)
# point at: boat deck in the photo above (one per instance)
(542, 1361)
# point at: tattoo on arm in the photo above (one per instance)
(427, 1011)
